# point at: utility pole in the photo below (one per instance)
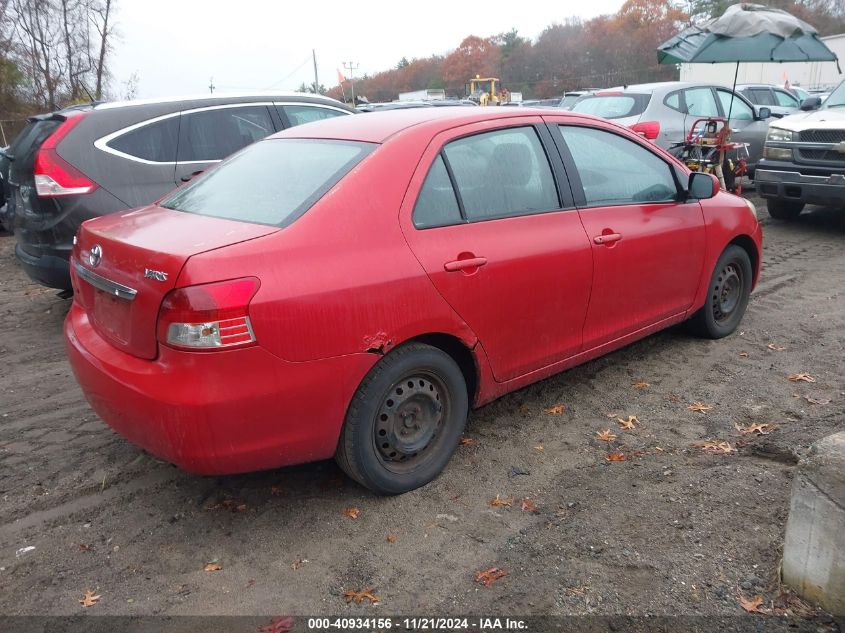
(211, 85)
(351, 67)
(316, 79)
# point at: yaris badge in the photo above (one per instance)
(155, 274)
(95, 255)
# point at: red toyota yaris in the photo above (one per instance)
(351, 287)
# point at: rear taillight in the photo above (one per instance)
(208, 316)
(54, 176)
(649, 129)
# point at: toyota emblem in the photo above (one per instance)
(95, 255)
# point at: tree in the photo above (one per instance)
(403, 63)
(475, 56)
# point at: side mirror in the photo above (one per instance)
(702, 186)
(811, 103)
(764, 113)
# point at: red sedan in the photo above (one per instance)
(352, 287)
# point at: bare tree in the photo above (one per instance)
(100, 15)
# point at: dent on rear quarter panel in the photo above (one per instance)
(341, 279)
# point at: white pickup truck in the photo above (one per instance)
(804, 160)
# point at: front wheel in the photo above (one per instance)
(727, 297)
(404, 421)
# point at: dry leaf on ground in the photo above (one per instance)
(390, 538)
(281, 624)
(819, 401)
(359, 596)
(717, 446)
(276, 491)
(89, 599)
(800, 378)
(751, 605)
(555, 410)
(232, 505)
(352, 513)
(527, 505)
(576, 591)
(297, 564)
(616, 457)
(498, 501)
(743, 354)
(539, 447)
(630, 423)
(605, 436)
(775, 347)
(489, 576)
(466, 441)
(759, 429)
(700, 407)
(212, 567)
(641, 385)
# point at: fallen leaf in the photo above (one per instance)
(85, 547)
(819, 401)
(659, 449)
(699, 406)
(352, 513)
(628, 424)
(466, 441)
(276, 491)
(605, 436)
(212, 567)
(232, 505)
(775, 347)
(576, 591)
(390, 538)
(281, 624)
(89, 599)
(539, 447)
(498, 501)
(490, 576)
(555, 410)
(641, 385)
(297, 564)
(717, 446)
(751, 605)
(759, 429)
(800, 377)
(743, 354)
(527, 505)
(359, 596)
(616, 457)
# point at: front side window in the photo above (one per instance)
(785, 99)
(271, 182)
(615, 170)
(299, 114)
(761, 96)
(154, 142)
(214, 134)
(437, 204)
(740, 111)
(502, 173)
(700, 102)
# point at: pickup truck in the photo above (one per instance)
(804, 159)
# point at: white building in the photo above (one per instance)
(807, 75)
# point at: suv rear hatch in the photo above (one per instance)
(124, 264)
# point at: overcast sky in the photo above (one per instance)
(177, 45)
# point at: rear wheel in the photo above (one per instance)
(404, 421)
(784, 209)
(727, 298)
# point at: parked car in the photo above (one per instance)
(87, 161)
(781, 102)
(353, 286)
(5, 223)
(804, 160)
(664, 112)
(569, 99)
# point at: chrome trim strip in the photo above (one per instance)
(106, 285)
(790, 177)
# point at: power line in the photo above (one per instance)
(290, 74)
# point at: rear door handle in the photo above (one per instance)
(463, 264)
(607, 238)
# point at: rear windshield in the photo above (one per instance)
(271, 182)
(613, 106)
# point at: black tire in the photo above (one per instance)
(404, 421)
(727, 297)
(784, 209)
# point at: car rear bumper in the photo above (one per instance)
(216, 412)
(49, 269)
(828, 190)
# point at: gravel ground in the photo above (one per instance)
(672, 530)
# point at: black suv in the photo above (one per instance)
(86, 161)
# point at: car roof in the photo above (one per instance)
(221, 98)
(377, 127)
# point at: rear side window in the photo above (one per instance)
(437, 204)
(214, 134)
(614, 106)
(299, 114)
(155, 141)
(700, 102)
(502, 173)
(272, 182)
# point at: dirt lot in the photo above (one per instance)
(671, 530)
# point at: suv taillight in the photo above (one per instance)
(54, 176)
(649, 129)
(208, 316)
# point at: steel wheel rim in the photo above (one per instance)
(409, 421)
(727, 292)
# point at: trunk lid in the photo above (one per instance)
(125, 263)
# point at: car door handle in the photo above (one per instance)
(607, 238)
(463, 264)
